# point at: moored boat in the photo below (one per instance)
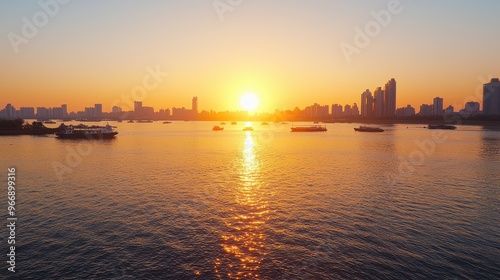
(441, 126)
(314, 128)
(248, 128)
(364, 128)
(99, 132)
(217, 128)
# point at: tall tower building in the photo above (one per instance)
(366, 103)
(138, 108)
(491, 97)
(64, 110)
(10, 111)
(379, 98)
(390, 98)
(98, 110)
(437, 106)
(194, 106)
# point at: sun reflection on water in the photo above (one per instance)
(244, 241)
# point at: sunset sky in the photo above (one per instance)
(286, 52)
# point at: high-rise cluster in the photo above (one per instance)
(382, 103)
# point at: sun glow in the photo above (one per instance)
(249, 101)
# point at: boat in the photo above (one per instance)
(81, 126)
(49, 122)
(364, 128)
(131, 121)
(166, 122)
(234, 123)
(217, 128)
(119, 121)
(222, 123)
(264, 123)
(314, 128)
(248, 128)
(144, 121)
(441, 126)
(101, 132)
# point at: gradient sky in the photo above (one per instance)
(286, 52)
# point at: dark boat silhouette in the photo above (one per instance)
(314, 128)
(442, 126)
(95, 132)
(217, 128)
(364, 128)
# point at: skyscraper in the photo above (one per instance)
(366, 103)
(64, 110)
(10, 111)
(98, 110)
(138, 108)
(491, 97)
(390, 98)
(379, 108)
(437, 106)
(194, 106)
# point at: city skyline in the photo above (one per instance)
(382, 104)
(276, 50)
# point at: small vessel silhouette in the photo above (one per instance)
(364, 128)
(314, 128)
(441, 126)
(217, 128)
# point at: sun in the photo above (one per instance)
(249, 101)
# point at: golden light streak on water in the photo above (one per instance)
(244, 241)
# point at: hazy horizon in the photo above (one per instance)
(288, 53)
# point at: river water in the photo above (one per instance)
(180, 201)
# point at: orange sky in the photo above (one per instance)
(288, 54)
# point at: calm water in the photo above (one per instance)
(180, 201)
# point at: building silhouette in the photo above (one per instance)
(194, 107)
(336, 110)
(425, 110)
(437, 106)
(367, 104)
(390, 98)
(98, 110)
(407, 111)
(491, 97)
(138, 107)
(471, 108)
(378, 103)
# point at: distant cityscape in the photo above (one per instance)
(379, 105)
